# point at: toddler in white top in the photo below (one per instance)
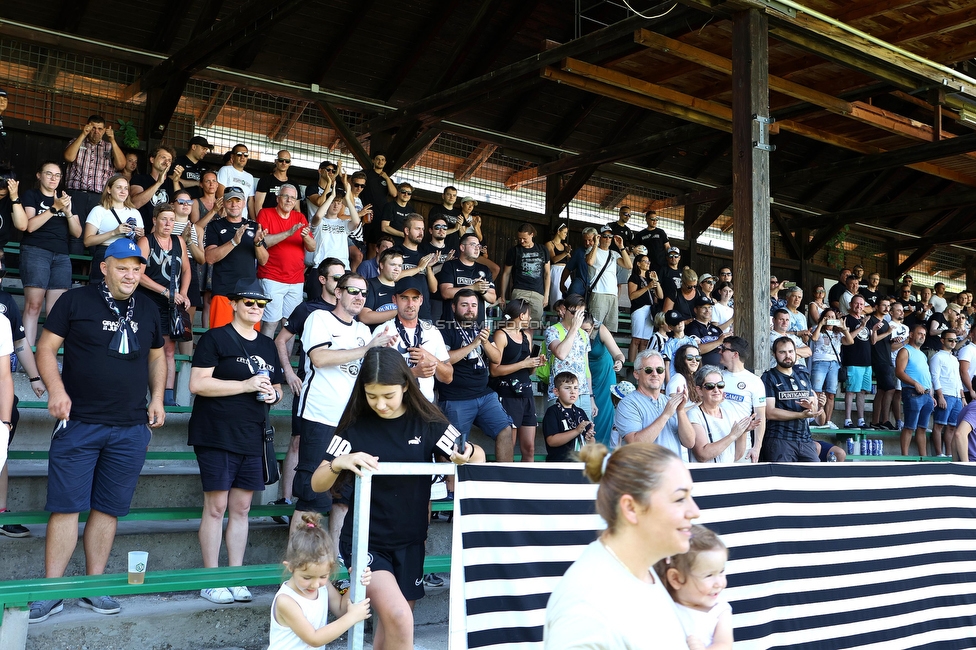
(695, 581)
(300, 611)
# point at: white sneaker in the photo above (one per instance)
(218, 595)
(241, 594)
(831, 425)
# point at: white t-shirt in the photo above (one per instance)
(331, 240)
(968, 353)
(938, 304)
(702, 624)
(721, 314)
(608, 281)
(430, 340)
(105, 221)
(639, 616)
(717, 428)
(228, 176)
(745, 391)
(327, 389)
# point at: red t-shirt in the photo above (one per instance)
(286, 259)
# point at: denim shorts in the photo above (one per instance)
(916, 408)
(221, 470)
(95, 467)
(950, 414)
(485, 411)
(42, 269)
(823, 376)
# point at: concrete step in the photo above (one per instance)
(187, 622)
(171, 545)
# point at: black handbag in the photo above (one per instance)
(269, 459)
(180, 327)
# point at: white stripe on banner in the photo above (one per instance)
(872, 556)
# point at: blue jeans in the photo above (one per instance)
(823, 376)
(917, 407)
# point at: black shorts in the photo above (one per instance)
(406, 564)
(14, 419)
(221, 470)
(296, 421)
(311, 450)
(521, 409)
(884, 374)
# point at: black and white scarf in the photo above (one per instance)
(125, 344)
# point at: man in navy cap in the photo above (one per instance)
(113, 350)
(709, 335)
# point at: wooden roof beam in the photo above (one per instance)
(855, 11)
(287, 120)
(503, 77)
(338, 45)
(218, 100)
(356, 147)
(475, 160)
(426, 141)
(421, 41)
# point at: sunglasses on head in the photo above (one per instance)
(710, 386)
(354, 291)
(650, 371)
(251, 303)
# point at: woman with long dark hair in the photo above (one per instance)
(388, 419)
(687, 361)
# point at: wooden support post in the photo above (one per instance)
(553, 185)
(970, 262)
(805, 279)
(750, 179)
(691, 235)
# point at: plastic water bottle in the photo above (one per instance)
(831, 457)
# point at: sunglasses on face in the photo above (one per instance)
(675, 256)
(407, 192)
(725, 349)
(242, 154)
(710, 386)
(251, 303)
(283, 160)
(359, 185)
(331, 170)
(692, 357)
(185, 201)
(337, 277)
(440, 227)
(354, 291)
(606, 236)
(650, 371)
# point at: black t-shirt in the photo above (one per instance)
(706, 333)
(858, 354)
(471, 372)
(457, 274)
(271, 185)
(8, 308)
(163, 195)
(6, 220)
(528, 267)
(296, 325)
(426, 248)
(234, 423)
(871, 298)
(53, 235)
(654, 240)
(396, 214)
(240, 263)
(880, 351)
(835, 293)
(192, 171)
(559, 419)
(934, 341)
(104, 389)
(452, 241)
(788, 390)
(623, 232)
(398, 504)
(380, 296)
(375, 192)
(411, 259)
(670, 281)
(642, 300)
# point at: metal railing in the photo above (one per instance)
(360, 526)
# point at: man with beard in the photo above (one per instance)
(899, 338)
(417, 271)
(437, 245)
(527, 264)
(467, 399)
(335, 343)
(870, 292)
(917, 400)
(451, 212)
(856, 358)
(420, 343)
(466, 272)
(790, 403)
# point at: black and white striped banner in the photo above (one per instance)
(822, 556)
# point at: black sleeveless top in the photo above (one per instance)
(518, 383)
(161, 265)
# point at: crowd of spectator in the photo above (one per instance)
(329, 271)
